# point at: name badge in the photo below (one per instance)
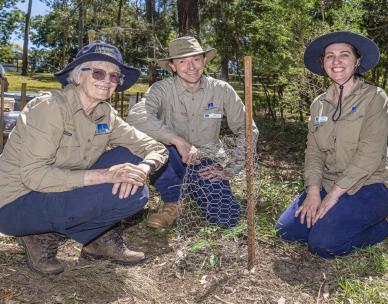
(319, 119)
(212, 115)
(102, 128)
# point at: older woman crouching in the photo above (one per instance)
(73, 169)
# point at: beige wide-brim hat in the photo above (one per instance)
(185, 47)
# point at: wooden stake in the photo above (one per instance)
(249, 160)
(23, 96)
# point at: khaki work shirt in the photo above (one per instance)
(168, 109)
(55, 141)
(351, 152)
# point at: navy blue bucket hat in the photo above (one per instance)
(366, 48)
(99, 51)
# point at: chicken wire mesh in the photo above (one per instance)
(211, 229)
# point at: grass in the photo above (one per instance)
(43, 82)
(361, 278)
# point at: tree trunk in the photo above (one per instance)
(225, 67)
(188, 18)
(26, 38)
(150, 13)
(80, 24)
(118, 21)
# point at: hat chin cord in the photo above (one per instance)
(339, 103)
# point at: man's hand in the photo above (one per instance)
(308, 210)
(214, 173)
(189, 153)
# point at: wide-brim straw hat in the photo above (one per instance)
(99, 51)
(366, 48)
(185, 47)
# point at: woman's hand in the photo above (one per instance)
(308, 210)
(328, 202)
(214, 173)
(189, 153)
(127, 178)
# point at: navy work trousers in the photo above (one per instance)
(81, 214)
(355, 221)
(214, 199)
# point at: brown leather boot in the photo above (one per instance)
(111, 246)
(41, 251)
(165, 217)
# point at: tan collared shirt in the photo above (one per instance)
(351, 152)
(168, 109)
(55, 141)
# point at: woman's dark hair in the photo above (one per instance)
(353, 49)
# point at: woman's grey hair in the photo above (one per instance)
(75, 73)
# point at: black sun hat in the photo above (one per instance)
(99, 51)
(367, 49)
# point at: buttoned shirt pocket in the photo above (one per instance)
(180, 122)
(323, 134)
(69, 151)
(348, 130)
(211, 123)
(100, 140)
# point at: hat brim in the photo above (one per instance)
(209, 55)
(131, 75)
(368, 50)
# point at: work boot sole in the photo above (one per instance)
(30, 263)
(91, 257)
(157, 225)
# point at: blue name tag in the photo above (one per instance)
(102, 128)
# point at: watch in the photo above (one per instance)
(151, 164)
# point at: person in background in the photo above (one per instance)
(3, 78)
(72, 168)
(345, 204)
(185, 112)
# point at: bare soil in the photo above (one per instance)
(282, 274)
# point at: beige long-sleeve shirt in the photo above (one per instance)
(168, 109)
(351, 152)
(55, 141)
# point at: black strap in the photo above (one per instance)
(339, 104)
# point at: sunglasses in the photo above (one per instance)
(100, 74)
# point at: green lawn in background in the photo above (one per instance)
(42, 82)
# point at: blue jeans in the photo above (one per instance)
(214, 199)
(81, 214)
(355, 221)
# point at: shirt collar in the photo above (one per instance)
(76, 105)
(180, 89)
(356, 90)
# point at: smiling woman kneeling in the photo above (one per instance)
(72, 168)
(345, 204)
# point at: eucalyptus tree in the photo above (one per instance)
(375, 22)
(10, 20)
(188, 18)
(26, 39)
